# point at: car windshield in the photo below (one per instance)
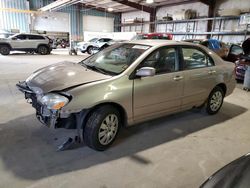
(115, 59)
(93, 40)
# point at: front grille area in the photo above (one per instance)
(44, 115)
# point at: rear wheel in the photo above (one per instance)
(102, 127)
(215, 100)
(43, 50)
(4, 50)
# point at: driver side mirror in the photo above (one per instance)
(14, 38)
(145, 72)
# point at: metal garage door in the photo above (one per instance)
(98, 24)
(54, 22)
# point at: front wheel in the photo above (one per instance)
(102, 127)
(215, 100)
(89, 50)
(4, 50)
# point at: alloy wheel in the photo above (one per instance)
(108, 129)
(216, 101)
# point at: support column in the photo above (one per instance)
(211, 13)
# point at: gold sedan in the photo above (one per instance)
(128, 83)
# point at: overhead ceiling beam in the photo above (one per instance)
(175, 2)
(135, 5)
(82, 5)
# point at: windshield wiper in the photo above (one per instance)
(97, 69)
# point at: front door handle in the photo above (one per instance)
(177, 78)
(212, 72)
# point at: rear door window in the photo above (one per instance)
(21, 37)
(194, 58)
(35, 37)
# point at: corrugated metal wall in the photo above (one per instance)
(14, 20)
(93, 12)
(76, 14)
(76, 27)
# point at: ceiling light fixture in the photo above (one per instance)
(110, 9)
(149, 1)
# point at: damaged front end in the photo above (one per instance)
(48, 107)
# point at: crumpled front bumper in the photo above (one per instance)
(44, 115)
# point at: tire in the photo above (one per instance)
(4, 50)
(215, 100)
(99, 132)
(89, 50)
(43, 50)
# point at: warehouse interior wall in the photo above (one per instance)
(233, 25)
(22, 22)
(202, 11)
(133, 15)
(18, 21)
(51, 21)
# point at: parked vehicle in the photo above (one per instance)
(88, 46)
(26, 42)
(112, 42)
(164, 36)
(64, 43)
(229, 53)
(233, 175)
(128, 83)
(241, 67)
(244, 61)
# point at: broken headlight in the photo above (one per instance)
(54, 101)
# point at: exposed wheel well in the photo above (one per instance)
(223, 87)
(42, 45)
(117, 106)
(5, 44)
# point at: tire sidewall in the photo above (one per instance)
(208, 108)
(95, 125)
(89, 50)
(41, 53)
(6, 48)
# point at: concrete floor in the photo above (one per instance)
(178, 151)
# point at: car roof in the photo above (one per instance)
(160, 42)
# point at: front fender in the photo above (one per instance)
(115, 90)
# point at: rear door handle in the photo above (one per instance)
(212, 72)
(177, 78)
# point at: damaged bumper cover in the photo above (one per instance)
(49, 117)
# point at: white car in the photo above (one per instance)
(26, 42)
(88, 46)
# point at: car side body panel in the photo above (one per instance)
(116, 90)
(156, 96)
(149, 97)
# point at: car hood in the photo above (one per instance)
(61, 76)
